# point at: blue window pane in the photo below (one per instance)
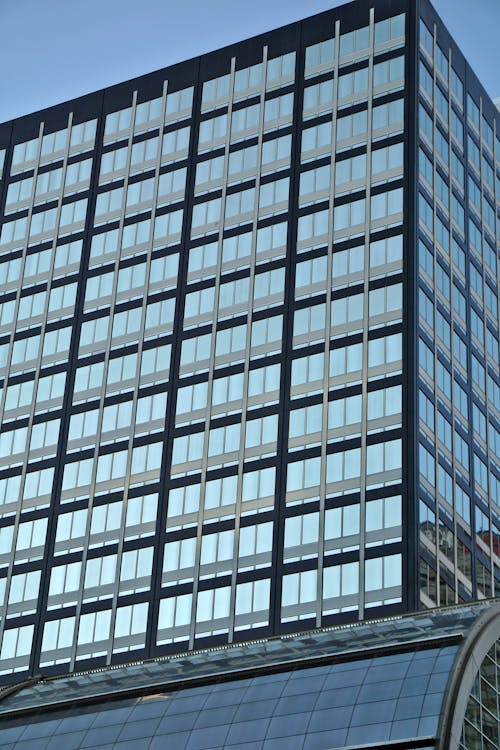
(271, 690)
(285, 726)
(101, 736)
(408, 708)
(173, 724)
(148, 709)
(11, 734)
(427, 726)
(359, 666)
(114, 716)
(69, 741)
(368, 713)
(438, 682)
(368, 733)
(386, 672)
(295, 703)
(373, 691)
(40, 729)
(255, 710)
(137, 729)
(210, 737)
(244, 729)
(414, 685)
(76, 723)
(421, 666)
(38, 743)
(182, 705)
(222, 687)
(323, 740)
(317, 672)
(283, 743)
(179, 741)
(225, 698)
(137, 744)
(403, 729)
(301, 687)
(432, 704)
(345, 679)
(445, 662)
(328, 719)
(341, 697)
(215, 716)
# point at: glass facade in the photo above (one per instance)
(207, 346)
(326, 707)
(481, 729)
(458, 350)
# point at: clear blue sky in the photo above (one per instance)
(54, 50)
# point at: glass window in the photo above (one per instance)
(83, 135)
(352, 127)
(243, 121)
(348, 170)
(280, 69)
(147, 112)
(354, 41)
(391, 28)
(53, 143)
(278, 112)
(118, 122)
(320, 54)
(389, 116)
(248, 78)
(179, 104)
(388, 72)
(457, 86)
(213, 130)
(277, 149)
(426, 39)
(144, 151)
(318, 97)
(19, 191)
(46, 182)
(24, 152)
(442, 62)
(317, 137)
(175, 144)
(352, 84)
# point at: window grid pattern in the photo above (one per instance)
(189, 222)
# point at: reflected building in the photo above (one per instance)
(249, 346)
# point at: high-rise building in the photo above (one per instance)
(249, 339)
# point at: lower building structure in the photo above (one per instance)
(427, 681)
